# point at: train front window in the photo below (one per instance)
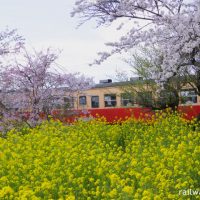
(110, 100)
(188, 97)
(95, 101)
(127, 99)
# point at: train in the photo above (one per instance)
(108, 99)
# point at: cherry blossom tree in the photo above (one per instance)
(173, 26)
(10, 44)
(31, 85)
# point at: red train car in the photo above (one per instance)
(108, 99)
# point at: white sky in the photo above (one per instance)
(45, 23)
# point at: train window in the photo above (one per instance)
(110, 100)
(95, 101)
(188, 96)
(127, 99)
(82, 100)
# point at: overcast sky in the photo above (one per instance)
(45, 23)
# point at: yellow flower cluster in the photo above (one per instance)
(94, 160)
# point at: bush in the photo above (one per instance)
(93, 160)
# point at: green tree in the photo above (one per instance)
(147, 92)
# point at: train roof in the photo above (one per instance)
(121, 83)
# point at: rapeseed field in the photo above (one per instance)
(93, 160)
